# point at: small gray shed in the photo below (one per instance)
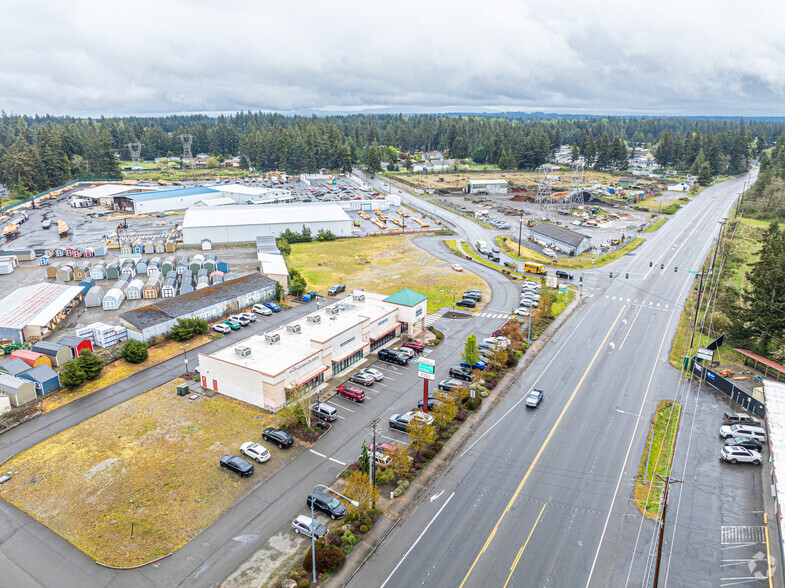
(58, 353)
(18, 390)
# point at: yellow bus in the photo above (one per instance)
(534, 268)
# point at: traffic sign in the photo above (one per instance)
(426, 369)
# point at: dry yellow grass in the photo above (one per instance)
(119, 370)
(457, 180)
(151, 461)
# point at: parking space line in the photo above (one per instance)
(342, 406)
(390, 438)
(336, 461)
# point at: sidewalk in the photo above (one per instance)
(419, 486)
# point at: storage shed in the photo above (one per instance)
(86, 284)
(149, 247)
(57, 352)
(113, 299)
(222, 265)
(6, 267)
(141, 266)
(134, 290)
(81, 271)
(196, 263)
(77, 344)
(65, 273)
(5, 404)
(183, 264)
(98, 272)
(19, 391)
(169, 288)
(113, 271)
(152, 287)
(51, 271)
(32, 358)
(15, 366)
(210, 262)
(168, 265)
(44, 379)
(94, 297)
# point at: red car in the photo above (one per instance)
(383, 447)
(351, 392)
(416, 345)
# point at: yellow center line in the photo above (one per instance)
(768, 550)
(542, 448)
(520, 553)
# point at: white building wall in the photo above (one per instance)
(174, 203)
(235, 381)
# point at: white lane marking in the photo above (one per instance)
(389, 438)
(341, 405)
(428, 526)
(435, 496)
(336, 461)
(631, 326)
(317, 453)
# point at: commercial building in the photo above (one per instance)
(560, 238)
(31, 312)
(227, 224)
(486, 186)
(110, 194)
(265, 370)
(208, 303)
(166, 200)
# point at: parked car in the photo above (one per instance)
(278, 436)
(413, 418)
(521, 311)
(392, 356)
(478, 365)
(255, 451)
(502, 342)
(327, 504)
(324, 411)
(272, 306)
(531, 284)
(742, 431)
(528, 303)
(361, 378)
(457, 267)
(262, 309)
(244, 322)
(222, 328)
(249, 315)
(461, 372)
(466, 302)
(308, 527)
(377, 375)
(407, 351)
(734, 454)
(472, 295)
(351, 392)
(534, 398)
(234, 325)
(563, 274)
(416, 345)
(737, 418)
(382, 459)
(746, 442)
(449, 385)
(383, 447)
(236, 464)
(432, 402)
(337, 289)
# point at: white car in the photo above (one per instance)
(374, 373)
(410, 352)
(734, 454)
(605, 245)
(530, 284)
(249, 315)
(502, 342)
(307, 526)
(222, 328)
(255, 451)
(262, 309)
(744, 431)
(522, 311)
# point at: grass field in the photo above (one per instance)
(656, 224)
(660, 442)
(151, 462)
(583, 261)
(384, 265)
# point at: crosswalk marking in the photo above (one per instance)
(430, 319)
(742, 534)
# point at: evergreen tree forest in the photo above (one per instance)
(40, 152)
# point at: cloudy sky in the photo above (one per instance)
(685, 57)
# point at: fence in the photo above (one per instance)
(728, 388)
(17, 203)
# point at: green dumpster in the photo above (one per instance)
(182, 389)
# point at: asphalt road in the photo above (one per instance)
(224, 546)
(542, 497)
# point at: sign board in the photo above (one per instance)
(426, 369)
(704, 353)
(550, 281)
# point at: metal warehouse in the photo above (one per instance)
(31, 312)
(208, 303)
(226, 224)
(560, 238)
(264, 370)
(486, 186)
(165, 200)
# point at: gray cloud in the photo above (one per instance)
(93, 58)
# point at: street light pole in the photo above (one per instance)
(185, 356)
(313, 539)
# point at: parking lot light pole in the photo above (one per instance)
(185, 356)
(313, 539)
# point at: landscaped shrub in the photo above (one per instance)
(363, 529)
(328, 558)
(428, 454)
(461, 416)
(398, 491)
(304, 583)
(134, 351)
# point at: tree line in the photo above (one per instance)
(37, 153)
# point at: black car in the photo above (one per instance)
(281, 438)
(327, 504)
(460, 372)
(467, 302)
(337, 289)
(432, 403)
(237, 464)
(472, 295)
(393, 356)
(450, 385)
(750, 443)
(563, 274)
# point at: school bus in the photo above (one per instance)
(534, 268)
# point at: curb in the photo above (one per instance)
(400, 508)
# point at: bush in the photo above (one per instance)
(134, 351)
(363, 529)
(471, 405)
(461, 416)
(491, 384)
(404, 484)
(188, 328)
(91, 364)
(72, 375)
(328, 558)
(398, 491)
(347, 549)
(428, 454)
(304, 583)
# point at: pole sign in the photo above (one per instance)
(426, 369)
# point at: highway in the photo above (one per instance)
(542, 497)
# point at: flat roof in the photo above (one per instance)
(272, 263)
(551, 231)
(107, 190)
(175, 193)
(35, 305)
(260, 215)
(246, 190)
(774, 394)
(218, 201)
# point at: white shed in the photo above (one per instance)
(113, 299)
(134, 290)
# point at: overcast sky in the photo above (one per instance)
(685, 57)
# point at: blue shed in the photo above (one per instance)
(15, 366)
(86, 284)
(222, 265)
(141, 266)
(44, 378)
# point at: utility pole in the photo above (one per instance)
(697, 309)
(372, 480)
(520, 234)
(662, 527)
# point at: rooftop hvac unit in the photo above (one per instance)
(294, 328)
(242, 351)
(333, 310)
(359, 297)
(314, 318)
(272, 338)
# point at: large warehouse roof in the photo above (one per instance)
(35, 305)
(262, 215)
(176, 193)
(245, 190)
(560, 234)
(108, 190)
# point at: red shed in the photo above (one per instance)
(77, 344)
(32, 358)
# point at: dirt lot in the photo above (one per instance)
(382, 264)
(151, 462)
(521, 179)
